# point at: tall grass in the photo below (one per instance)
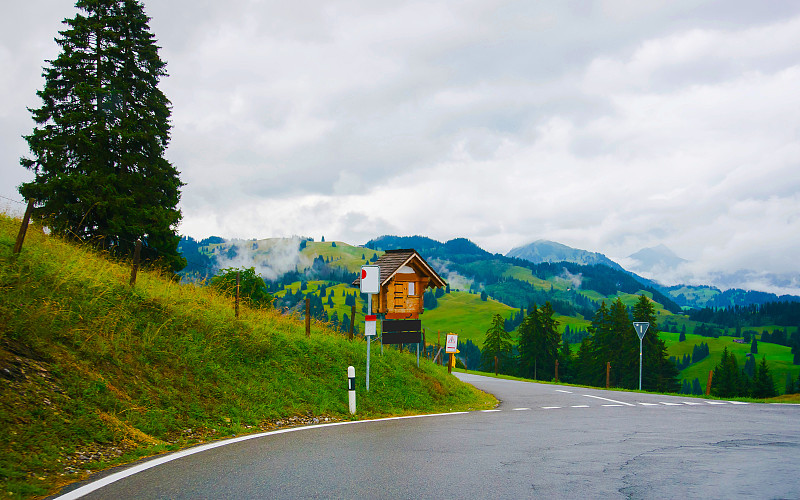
(93, 367)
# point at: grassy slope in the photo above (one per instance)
(779, 358)
(94, 372)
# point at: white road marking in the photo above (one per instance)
(565, 392)
(692, 403)
(609, 400)
(649, 404)
(550, 407)
(670, 404)
(113, 478)
(738, 403)
(716, 402)
(615, 405)
(520, 409)
(490, 411)
(580, 406)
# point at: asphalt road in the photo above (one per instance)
(543, 441)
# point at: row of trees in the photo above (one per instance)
(611, 339)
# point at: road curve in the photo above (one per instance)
(542, 441)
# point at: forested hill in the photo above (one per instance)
(503, 278)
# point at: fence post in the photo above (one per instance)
(495, 366)
(608, 374)
(556, 370)
(237, 294)
(23, 228)
(352, 322)
(137, 252)
(308, 316)
(708, 386)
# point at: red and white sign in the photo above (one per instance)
(451, 345)
(370, 323)
(370, 279)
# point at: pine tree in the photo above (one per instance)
(727, 380)
(97, 151)
(497, 343)
(763, 384)
(538, 343)
(658, 374)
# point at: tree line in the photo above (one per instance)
(611, 339)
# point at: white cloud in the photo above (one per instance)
(609, 125)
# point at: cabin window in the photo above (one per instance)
(411, 288)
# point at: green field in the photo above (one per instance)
(779, 358)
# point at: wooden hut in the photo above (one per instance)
(404, 278)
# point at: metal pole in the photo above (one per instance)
(640, 364)
(368, 337)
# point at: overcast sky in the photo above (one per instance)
(608, 126)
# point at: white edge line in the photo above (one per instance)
(565, 392)
(609, 400)
(519, 409)
(613, 405)
(96, 485)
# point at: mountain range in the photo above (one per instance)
(516, 278)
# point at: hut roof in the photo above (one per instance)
(392, 260)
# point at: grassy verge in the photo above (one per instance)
(95, 373)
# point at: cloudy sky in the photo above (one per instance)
(607, 125)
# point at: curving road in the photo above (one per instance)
(542, 441)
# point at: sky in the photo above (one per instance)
(609, 126)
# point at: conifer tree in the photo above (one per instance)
(658, 373)
(97, 151)
(538, 343)
(497, 343)
(763, 383)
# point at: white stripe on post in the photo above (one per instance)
(351, 388)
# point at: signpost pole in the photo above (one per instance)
(640, 364)
(641, 329)
(370, 285)
(368, 337)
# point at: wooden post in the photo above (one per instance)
(708, 386)
(495, 366)
(424, 345)
(556, 370)
(352, 322)
(439, 344)
(451, 361)
(608, 374)
(308, 316)
(236, 307)
(23, 228)
(136, 254)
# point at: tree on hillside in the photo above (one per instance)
(497, 343)
(658, 373)
(763, 384)
(727, 380)
(97, 151)
(252, 288)
(538, 343)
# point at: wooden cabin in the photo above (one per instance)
(404, 278)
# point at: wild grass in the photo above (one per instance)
(95, 372)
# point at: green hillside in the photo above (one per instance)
(96, 372)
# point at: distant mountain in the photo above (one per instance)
(549, 251)
(658, 258)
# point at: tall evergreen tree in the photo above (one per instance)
(97, 151)
(658, 373)
(497, 343)
(727, 380)
(538, 343)
(763, 383)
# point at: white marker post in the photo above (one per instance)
(351, 388)
(370, 284)
(641, 329)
